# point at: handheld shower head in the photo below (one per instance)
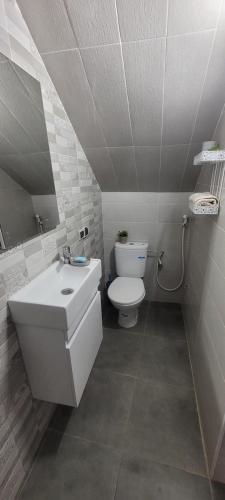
(185, 220)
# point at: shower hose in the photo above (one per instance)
(160, 265)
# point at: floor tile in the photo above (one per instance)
(110, 318)
(165, 359)
(119, 352)
(141, 479)
(69, 469)
(103, 411)
(163, 426)
(165, 319)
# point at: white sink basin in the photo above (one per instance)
(43, 303)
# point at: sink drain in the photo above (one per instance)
(67, 291)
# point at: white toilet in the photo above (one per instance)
(127, 291)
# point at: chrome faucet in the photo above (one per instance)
(66, 254)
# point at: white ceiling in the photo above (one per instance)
(143, 82)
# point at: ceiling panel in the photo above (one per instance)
(102, 165)
(93, 21)
(49, 24)
(187, 16)
(123, 160)
(131, 82)
(6, 147)
(67, 72)
(104, 69)
(191, 172)
(172, 167)
(141, 19)
(144, 66)
(148, 163)
(213, 96)
(186, 64)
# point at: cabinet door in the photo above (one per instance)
(84, 345)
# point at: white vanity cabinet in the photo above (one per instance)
(58, 370)
(59, 333)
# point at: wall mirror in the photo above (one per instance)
(28, 204)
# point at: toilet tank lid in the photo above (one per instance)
(135, 245)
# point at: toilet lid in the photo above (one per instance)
(126, 291)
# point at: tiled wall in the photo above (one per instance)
(152, 217)
(205, 320)
(22, 420)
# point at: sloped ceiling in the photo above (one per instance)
(143, 82)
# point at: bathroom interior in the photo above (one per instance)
(112, 249)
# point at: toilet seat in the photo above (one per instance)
(126, 291)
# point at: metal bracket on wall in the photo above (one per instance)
(217, 179)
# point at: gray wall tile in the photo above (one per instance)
(206, 286)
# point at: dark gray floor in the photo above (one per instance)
(135, 435)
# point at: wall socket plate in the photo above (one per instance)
(83, 232)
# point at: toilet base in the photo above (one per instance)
(128, 318)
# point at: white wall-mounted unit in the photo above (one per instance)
(209, 157)
(216, 159)
(59, 324)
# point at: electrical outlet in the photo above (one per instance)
(81, 233)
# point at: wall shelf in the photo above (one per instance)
(210, 157)
(213, 210)
(217, 160)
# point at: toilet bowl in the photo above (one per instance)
(126, 295)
